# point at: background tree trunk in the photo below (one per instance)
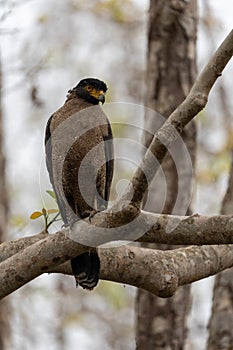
(171, 70)
(4, 305)
(221, 321)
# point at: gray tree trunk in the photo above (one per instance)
(4, 304)
(221, 321)
(171, 70)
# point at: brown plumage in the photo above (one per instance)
(79, 158)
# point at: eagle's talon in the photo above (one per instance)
(92, 214)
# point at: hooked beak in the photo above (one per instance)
(101, 97)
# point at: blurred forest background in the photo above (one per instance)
(46, 48)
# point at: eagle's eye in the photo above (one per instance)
(89, 88)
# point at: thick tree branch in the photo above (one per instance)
(26, 258)
(184, 113)
(160, 272)
(36, 259)
(10, 248)
(187, 230)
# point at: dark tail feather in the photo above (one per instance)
(86, 268)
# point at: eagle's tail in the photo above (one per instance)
(86, 268)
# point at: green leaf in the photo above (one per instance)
(52, 194)
(36, 215)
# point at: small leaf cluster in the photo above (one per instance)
(46, 213)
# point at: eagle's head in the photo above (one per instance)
(91, 89)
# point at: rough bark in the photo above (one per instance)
(159, 272)
(4, 305)
(194, 229)
(170, 74)
(221, 321)
(152, 228)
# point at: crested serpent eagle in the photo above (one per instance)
(79, 159)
